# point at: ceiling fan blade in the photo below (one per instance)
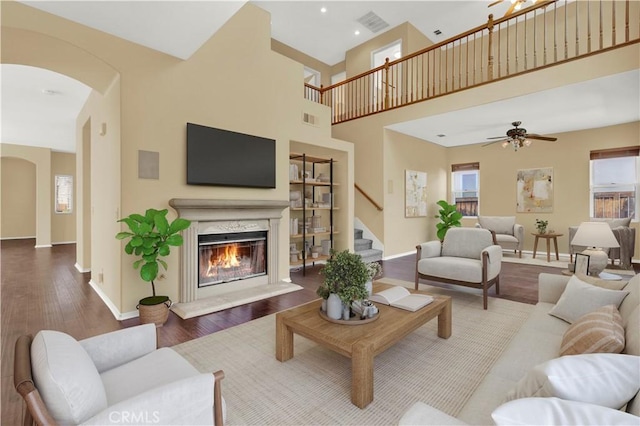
(511, 8)
(495, 2)
(491, 143)
(497, 137)
(540, 137)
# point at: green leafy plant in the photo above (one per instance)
(150, 238)
(346, 274)
(323, 291)
(449, 217)
(541, 226)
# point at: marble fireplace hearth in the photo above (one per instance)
(219, 217)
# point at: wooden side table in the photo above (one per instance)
(547, 237)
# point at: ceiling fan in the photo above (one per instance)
(515, 5)
(518, 137)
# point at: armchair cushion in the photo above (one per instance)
(152, 370)
(466, 242)
(66, 377)
(112, 349)
(498, 224)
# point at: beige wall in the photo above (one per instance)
(63, 226)
(41, 157)
(306, 60)
(18, 179)
(569, 157)
(157, 95)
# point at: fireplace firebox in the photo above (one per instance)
(229, 257)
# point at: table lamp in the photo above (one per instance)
(596, 236)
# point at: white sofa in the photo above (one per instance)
(538, 341)
(114, 378)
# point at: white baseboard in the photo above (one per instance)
(398, 255)
(81, 269)
(59, 243)
(114, 310)
(18, 238)
(43, 246)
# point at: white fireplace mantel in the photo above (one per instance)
(207, 213)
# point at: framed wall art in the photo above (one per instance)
(582, 264)
(415, 199)
(534, 190)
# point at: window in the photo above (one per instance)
(615, 181)
(64, 194)
(465, 188)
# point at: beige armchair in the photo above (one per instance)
(509, 235)
(625, 235)
(467, 257)
(115, 378)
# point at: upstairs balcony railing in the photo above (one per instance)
(548, 33)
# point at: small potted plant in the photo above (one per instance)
(150, 237)
(345, 275)
(375, 270)
(449, 217)
(541, 226)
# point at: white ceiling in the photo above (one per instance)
(179, 28)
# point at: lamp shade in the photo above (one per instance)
(595, 234)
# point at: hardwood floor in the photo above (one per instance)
(41, 289)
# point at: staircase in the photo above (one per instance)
(362, 246)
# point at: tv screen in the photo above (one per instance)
(224, 158)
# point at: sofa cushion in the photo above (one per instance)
(632, 333)
(614, 223)
(580, 298)
(498, 224)
(458, 268)
(609, 380)
(556, 411)
(66, 377)
(597, 331)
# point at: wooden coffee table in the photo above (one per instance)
(359, 342)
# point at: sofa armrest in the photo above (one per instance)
(110, 350)
(186, 401)
(423, 414)
(518, 232)
(551, 287)
(429, 249)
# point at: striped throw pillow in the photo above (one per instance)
(600, 331)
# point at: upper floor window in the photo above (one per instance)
(615, 182)
(465, 188)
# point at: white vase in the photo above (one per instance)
(369, 286)
(334, 306)
(324, 305)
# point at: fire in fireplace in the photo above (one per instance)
(232, 256)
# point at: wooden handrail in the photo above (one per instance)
(368, 197)
(533, 38)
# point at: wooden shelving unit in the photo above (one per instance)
(308, 167)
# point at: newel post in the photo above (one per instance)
(490, 48)
(321, 94)
(386, 83)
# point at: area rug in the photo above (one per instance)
(314, 386)
(541, 260)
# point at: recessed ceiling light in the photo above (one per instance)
(50, 92)
(323, 9)
(357, 32)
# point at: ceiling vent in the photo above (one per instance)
(372, 22)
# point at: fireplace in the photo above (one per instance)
(232, 256)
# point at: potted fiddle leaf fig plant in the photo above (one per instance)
(150, 238)
(449, 217)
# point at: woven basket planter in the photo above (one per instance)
(157, 312)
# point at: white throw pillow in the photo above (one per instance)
(608, 380)
(580, 298)
(556, 411)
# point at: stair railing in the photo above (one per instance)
(368, 197)
(548, 33)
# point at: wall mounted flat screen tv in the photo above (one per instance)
(224, 158)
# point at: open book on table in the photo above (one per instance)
(400, 297)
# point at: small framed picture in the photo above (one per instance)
(582, 264)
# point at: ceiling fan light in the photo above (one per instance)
(527, 142)
(505, 144)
